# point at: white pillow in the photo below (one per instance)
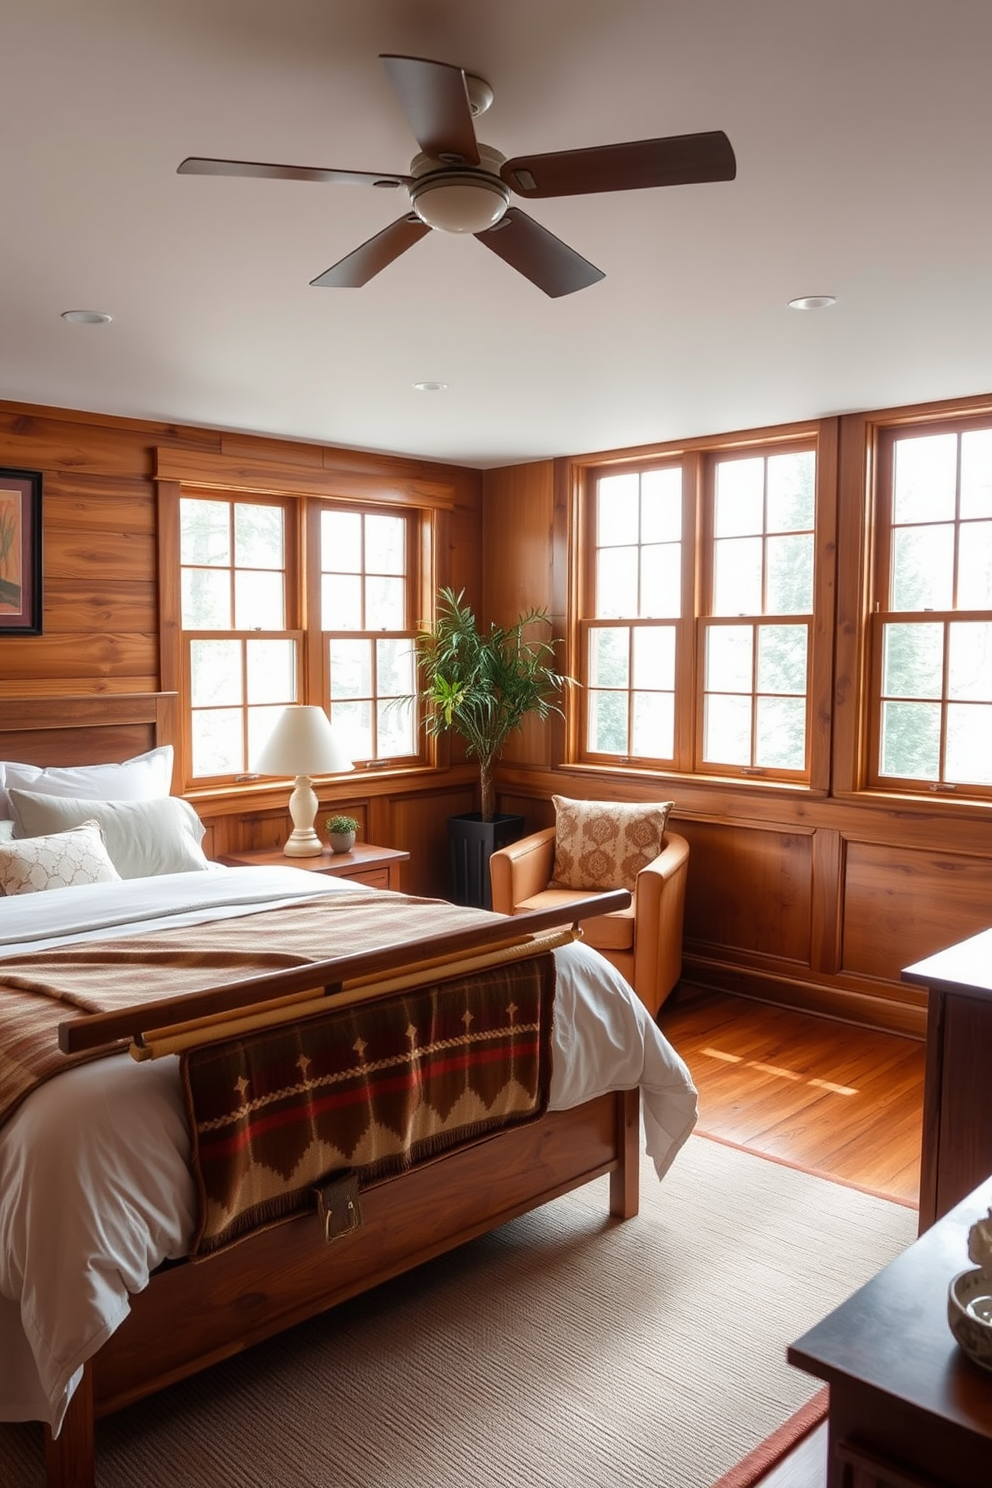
(56, 861)
(142, 837)
(6, 830)
(143, 778)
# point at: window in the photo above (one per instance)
(366, 625)
(250, 569)
(631, 640)
(756, 638)
(697, 652)
(242, 660)
(932, 627)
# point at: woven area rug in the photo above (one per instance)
(564, 1351)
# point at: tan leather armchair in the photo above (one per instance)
(643, 942)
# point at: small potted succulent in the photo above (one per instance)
(341, 833)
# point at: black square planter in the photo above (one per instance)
(471, 842)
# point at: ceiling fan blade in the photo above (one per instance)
(434, 98)
(537, 254)
(195, 166)
(680, 160)
(373, 256)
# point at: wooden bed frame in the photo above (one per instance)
(193, 1315)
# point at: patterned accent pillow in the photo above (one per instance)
(605, 844)
(32, 864)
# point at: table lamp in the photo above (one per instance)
(303, 744)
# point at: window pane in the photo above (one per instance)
(969, 664)
(271, 671)
(340, 602)
(780, 742)
(385, 545)
(395, 734)
(261, 722)
(911, 740)
(395, 668)
(259, 600)
(727, 730)
(923, 568)
(608, 722)
(616, 582)
(912, 660)
(204, 532)
(791, 492)
(661, 580)
(739, 497)
(609, 658)
(218, 748)
(976, 473)
(661, 505)
(351, 669)
(737, 576)
(340, 542)
(790, 575)
(975, 567)
(385, 603)
(782, 658)
(728, 658)
(654, 656)
(258, 536)
(206, 599)
(355, 722)
(925, 478)
(654, 724)
(215, 668)
(617, 510)
(969, 728)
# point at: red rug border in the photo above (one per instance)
(769, 1453)
(784, 1162)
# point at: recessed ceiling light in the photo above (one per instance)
(87, 317)
(431, 387)
(812, 302)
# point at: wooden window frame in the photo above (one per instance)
(427, 502)
(880, 499)
(698, 458)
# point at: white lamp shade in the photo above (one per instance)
(303, 743)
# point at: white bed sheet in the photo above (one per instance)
(95, 1187)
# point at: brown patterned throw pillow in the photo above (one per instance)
(605, 844)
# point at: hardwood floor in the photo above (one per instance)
(843, 1101)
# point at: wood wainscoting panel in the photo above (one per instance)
(419, 825)
(901, 904)
(749, 889)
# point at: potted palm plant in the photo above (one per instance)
(481, 685)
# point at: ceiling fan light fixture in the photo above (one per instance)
(460, 201)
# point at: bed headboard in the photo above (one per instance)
(95, 729)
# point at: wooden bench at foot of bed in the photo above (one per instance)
(194, 1314)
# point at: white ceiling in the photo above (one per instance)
(863, 135)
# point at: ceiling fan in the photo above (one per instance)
(458, 185)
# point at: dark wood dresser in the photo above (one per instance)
(957, 1098)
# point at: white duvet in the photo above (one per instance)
(95, 1188)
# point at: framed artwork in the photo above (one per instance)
(20, 552)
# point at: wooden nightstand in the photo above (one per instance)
(379, 867)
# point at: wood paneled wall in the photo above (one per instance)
(101, 615)
(808, 900)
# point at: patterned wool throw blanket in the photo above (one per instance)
(368, 1089)
(407, 1078)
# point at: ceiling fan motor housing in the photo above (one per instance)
(459, 198)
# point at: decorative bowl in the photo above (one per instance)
(969, 1313)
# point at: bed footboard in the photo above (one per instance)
(191, 1316)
